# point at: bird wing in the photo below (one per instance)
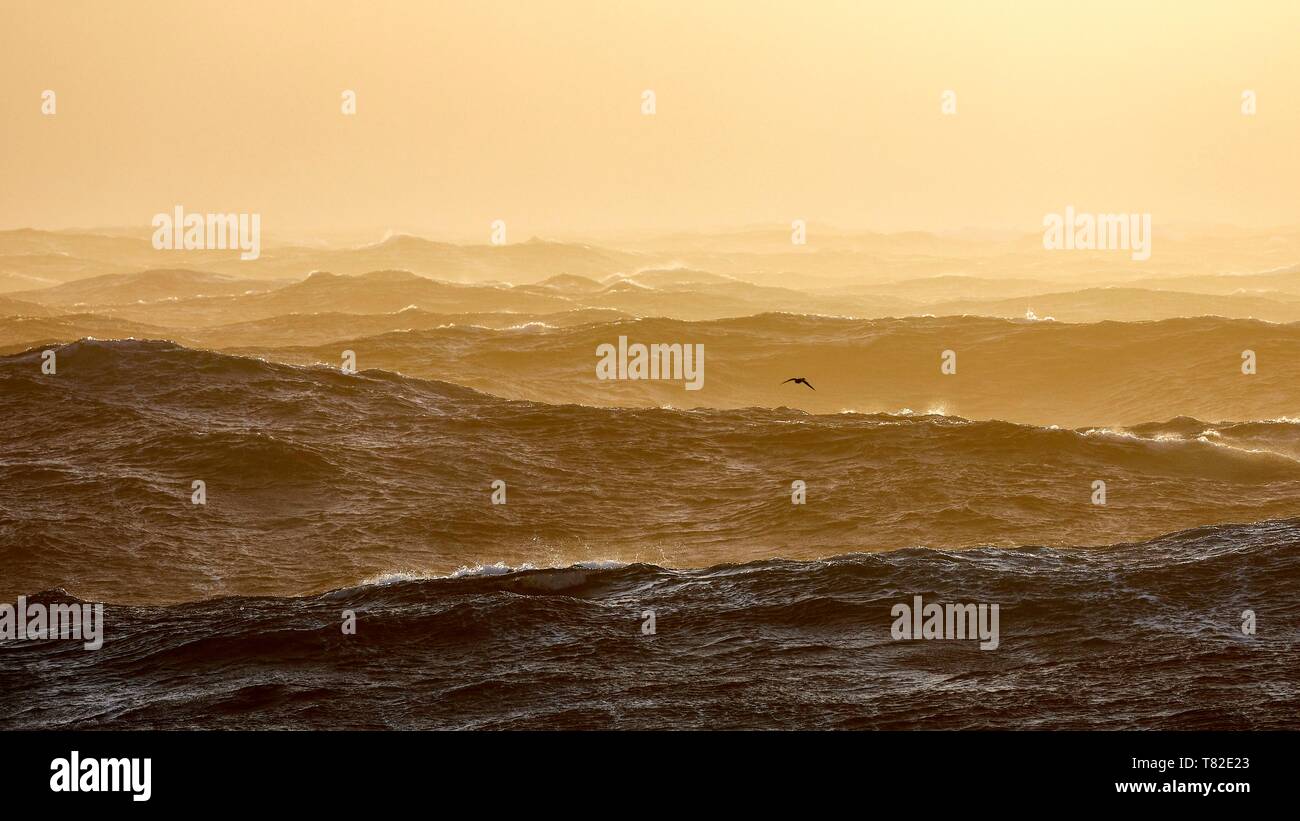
(791, 379)
(809, 384)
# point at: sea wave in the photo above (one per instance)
(772, 643)
(314, 478)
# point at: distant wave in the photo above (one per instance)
(1043, 373)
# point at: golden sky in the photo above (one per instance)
(531, 112)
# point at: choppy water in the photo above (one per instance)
(1138, 636)
(369, 493)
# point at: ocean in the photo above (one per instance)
(644, 568)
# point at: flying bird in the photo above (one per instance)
(799, 380)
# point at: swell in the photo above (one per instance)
(1040, 373)
(775, 643)
(315, 478)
